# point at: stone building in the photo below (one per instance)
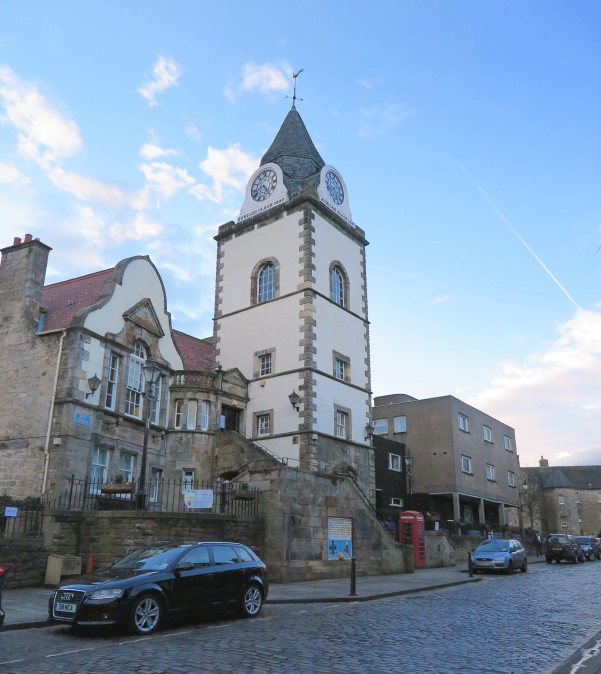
(465, 468)
(562, 499)
(278, 397)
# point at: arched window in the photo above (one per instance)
(266, 283)
(337, 286)
(135, 381)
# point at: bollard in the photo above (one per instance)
(470, 566)
(2, 614)
(353, 577)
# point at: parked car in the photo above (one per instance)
(563, 546)
(139, 591)
(500, 554)
(590, 547)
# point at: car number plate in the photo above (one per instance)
(65, 608)
(557, 549)
(484, 563)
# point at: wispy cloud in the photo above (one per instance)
(151, 151)
(44, 135)
(266, 78)
(166, 74)
(440, 300)
(9, 175)
(230, 167)
(552, 393)
(380, 121)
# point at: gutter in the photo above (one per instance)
(51, 413)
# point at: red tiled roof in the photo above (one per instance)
(63, 300)
(197, 354)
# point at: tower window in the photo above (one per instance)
(337, 286)
(266, 283)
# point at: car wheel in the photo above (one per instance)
(252, 601)
(146, 614)
(524, 568)
(575, 560)
(510, 568)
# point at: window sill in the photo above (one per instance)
(467, 472)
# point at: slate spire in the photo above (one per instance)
(294, 152)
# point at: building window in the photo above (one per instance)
(266, 283)
(507, 443)
(265, 365)
(396, 501)
(178, 414)
(487, 433)
(400, 424)
(561, 499)
(156, 475)
(191, 417)
(126, 467)
(463, 426)
(155, 412)
(599, 497)
(341, 424)
(100, 462)
(340, 369)
(510, 478)
(490, 472)
(394, 462)
(111, 382)
(563, 521)
(204, 416)
(380, 426)
(263, 425)
(337, 286)
(135, 381)
(187, 479)
(466, 464)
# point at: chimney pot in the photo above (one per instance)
(28, 238)
(17, 241)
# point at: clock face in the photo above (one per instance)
(334, 188)
(263, 185)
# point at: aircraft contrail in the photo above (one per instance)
(519, 237)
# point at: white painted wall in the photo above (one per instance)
(140, 280)
(331, 393)
(278, 239)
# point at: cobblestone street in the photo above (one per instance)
(513, 624)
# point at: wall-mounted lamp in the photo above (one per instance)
(294, 399)
(369, 430)
(93, 383)
(525, 485)
(408, 462)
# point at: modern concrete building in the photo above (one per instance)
(465, 468)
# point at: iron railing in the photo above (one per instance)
(24, 522)
(219, 497)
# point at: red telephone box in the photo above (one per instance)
(413, 532)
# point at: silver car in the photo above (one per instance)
(499, 554)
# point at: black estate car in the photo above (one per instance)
(563, 546)
(139, 591)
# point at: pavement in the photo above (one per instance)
(28, 607)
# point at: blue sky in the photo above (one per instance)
(467, 134)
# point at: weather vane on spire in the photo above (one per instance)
(295, 75)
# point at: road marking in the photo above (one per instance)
(10, 662)
(79, 650)
(176, 634)
(592, 652)
(260, 619)
(297, 612)
(218, 627)
(133, 641)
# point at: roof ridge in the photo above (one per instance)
(77, 278)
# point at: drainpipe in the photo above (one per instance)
(51, 413)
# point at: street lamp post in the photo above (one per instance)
(408, 465)
(151, 374)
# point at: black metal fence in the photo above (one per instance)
(21, 521)
(220, 497)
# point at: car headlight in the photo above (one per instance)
(106, 594)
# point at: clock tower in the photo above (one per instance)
(291, 310)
